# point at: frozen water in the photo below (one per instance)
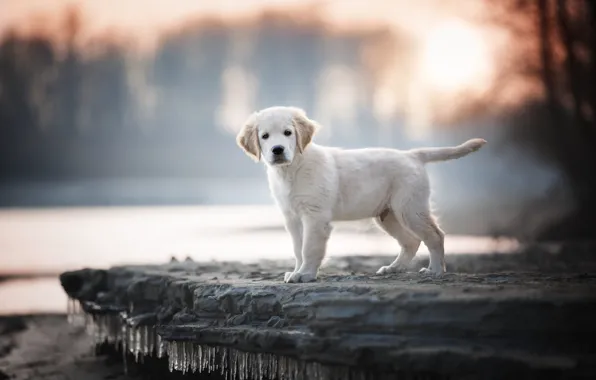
(186, 357)
(238, 365)
(74, 312)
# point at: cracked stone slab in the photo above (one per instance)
(212, 316)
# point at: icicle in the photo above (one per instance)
(215, 358)
(151, 340)
(206, 358)
(282, 369)
(140, 343)
(227, 371)
(211, 358)
(182, 357)
(274, 366)
(76, 316)
(98, 330)
(247, 356)
(69, 311)
(244, 365)
(144, 340)
(179, 355)
(118, 330)
(237, 365)
(291, 369)
(89, 324)
(311, 372)
(250, 361)
(223, 360)
(130, 337)
(170, 351)
(267, 366)
(175, 357)
(233, 364)
(200, 358)
(101, 329)
(135, 339)
(106, 328)
(173, 354)
(241, 364)
(125, 361)
(188, 352)
(124, 342)
(193, 359)
(161, 346)
(259, 366)
(110, 331)
(184, 363)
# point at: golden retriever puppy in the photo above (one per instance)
(314, 185)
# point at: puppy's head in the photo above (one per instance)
(277, 134)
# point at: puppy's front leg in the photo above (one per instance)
(316, 234)
(294, 227)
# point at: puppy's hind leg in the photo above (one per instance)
(417, 218)
(408, 242)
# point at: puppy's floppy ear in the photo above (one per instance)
(305, 129)
(248, 139)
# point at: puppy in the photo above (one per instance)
(314, 185)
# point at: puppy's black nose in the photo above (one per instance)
(277, 150)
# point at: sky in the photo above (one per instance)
(457, 52)
(147, 18)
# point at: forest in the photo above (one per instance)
(105, 110)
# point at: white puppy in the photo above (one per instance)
(314, 185)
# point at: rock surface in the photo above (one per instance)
(495, 316)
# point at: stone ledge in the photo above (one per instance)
(213, 316)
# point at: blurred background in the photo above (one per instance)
(118, 122)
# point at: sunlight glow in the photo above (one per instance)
(454, 57)
(239, 88)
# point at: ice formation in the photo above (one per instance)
(189, 357)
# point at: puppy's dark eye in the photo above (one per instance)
(265, 136)
(288, 132)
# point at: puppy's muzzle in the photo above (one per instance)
(278, 155)
(277, 151)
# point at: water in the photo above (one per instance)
(54, 240)
(28, 296)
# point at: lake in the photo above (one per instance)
(51, 240)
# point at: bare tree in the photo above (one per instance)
(574, 70)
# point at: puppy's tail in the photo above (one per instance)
(444, 154)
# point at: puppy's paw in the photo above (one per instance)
(391, 269)
(301, 277)
(427, 272)
(287, 276)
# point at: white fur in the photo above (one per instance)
(314, 185)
